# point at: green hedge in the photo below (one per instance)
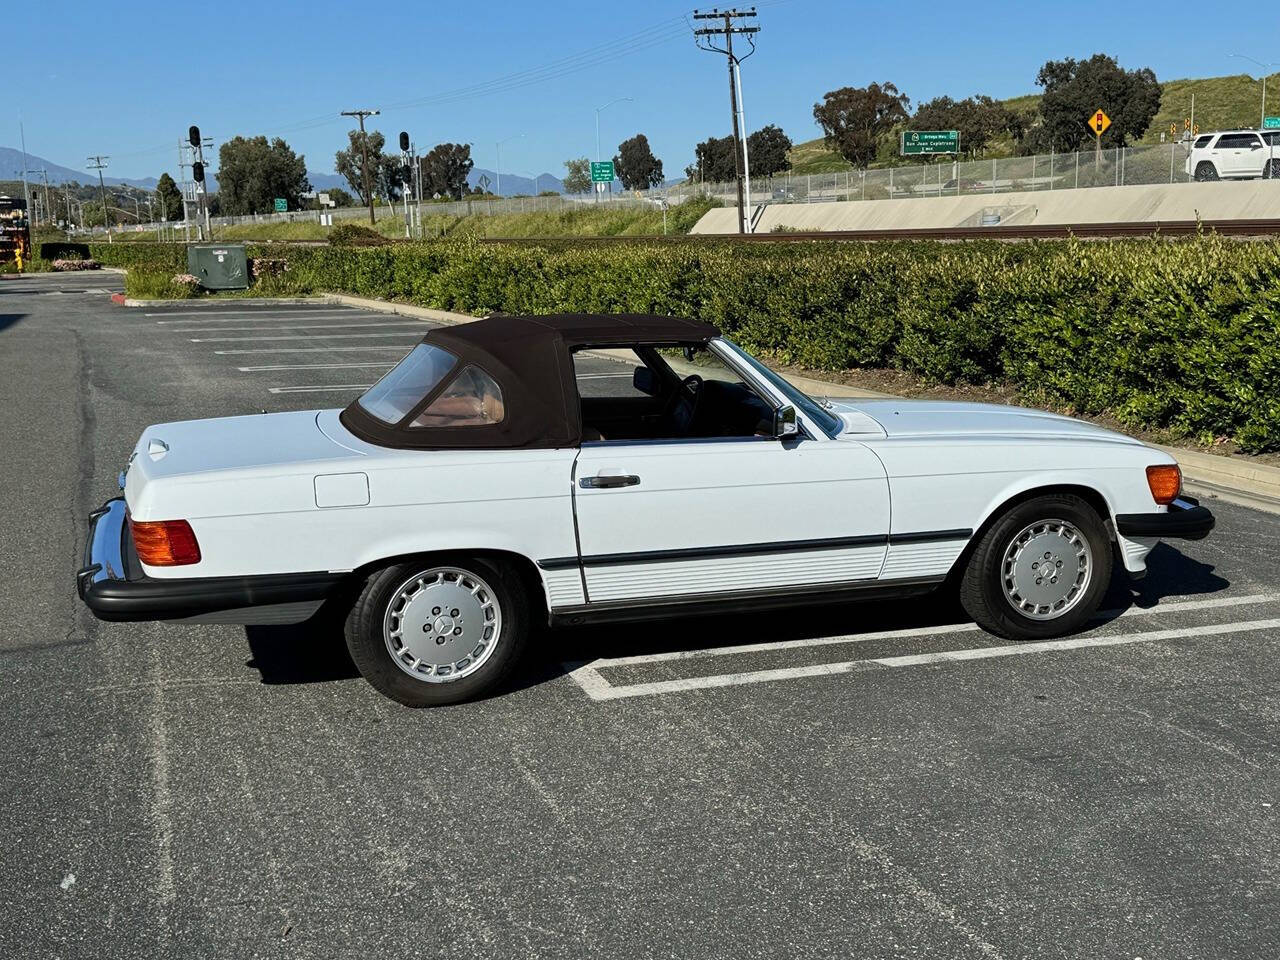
(1184, 335)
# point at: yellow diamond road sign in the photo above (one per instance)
(1098, 123)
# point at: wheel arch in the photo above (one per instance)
(1007, 500)
(521, 565)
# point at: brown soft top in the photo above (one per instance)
(530, 360)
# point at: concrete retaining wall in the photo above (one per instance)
(1226, 200)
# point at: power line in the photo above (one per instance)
(741, 164)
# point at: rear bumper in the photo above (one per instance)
(1186, 520)
(112, 584)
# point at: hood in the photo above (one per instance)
(933, 418)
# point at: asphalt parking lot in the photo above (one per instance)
(882, 780)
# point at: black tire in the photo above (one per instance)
(1206, 172)
(372, 656)
(1271, 170)
(982, 588)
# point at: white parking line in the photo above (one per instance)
(240, 313)
(403, 348)
(605, 376)
(599, 688)
(1172, 606)
(304, 326)
(326, 388)
(299, 336)
(385, 364)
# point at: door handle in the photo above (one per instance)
(609, 481)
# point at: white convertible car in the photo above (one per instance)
(486, 483)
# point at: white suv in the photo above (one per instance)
(1235, 155)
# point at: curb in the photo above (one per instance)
(122, 300)
(1253, 485)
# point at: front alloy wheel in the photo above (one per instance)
(1039, 570)
(427, 634)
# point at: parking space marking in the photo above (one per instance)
(299, 336)
(598, 688)
(305, 326)
(322, 388)
(385, 364)
(1173, 606)
(212, 313)
(403, 348)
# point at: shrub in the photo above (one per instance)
(1184, 335)
(76, 264)
(356, 235)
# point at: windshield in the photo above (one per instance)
(828, 422)
(404, 385)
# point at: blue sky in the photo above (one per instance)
(124, 81)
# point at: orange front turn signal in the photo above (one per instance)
(1165, 481)
(165, 543)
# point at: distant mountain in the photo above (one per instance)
(513, 184)
(11, 169)
(327, 181)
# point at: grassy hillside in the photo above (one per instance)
(1221, 103)
(584, 221)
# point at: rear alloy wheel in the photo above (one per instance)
(1206, 171)
(1040, 571)
(1272, 170)
(434, 633)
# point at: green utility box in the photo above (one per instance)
(219, 266)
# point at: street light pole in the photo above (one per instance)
(598, 109)
(1265, 67)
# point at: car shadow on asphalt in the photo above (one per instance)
(310, 652)
(7, 320)
(315, 651)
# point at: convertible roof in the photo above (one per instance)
(530, 360)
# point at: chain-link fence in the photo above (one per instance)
(1123, 166)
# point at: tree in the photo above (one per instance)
(978, 119)
(635, 165)
(445, 170)
(713, 161)
(767, 151)
(350, 163)
(253, 172)
(578, 177)
(1073, 90)
(170, 198)
(854, 119)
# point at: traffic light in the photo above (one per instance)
(193, 135)
(197, 170)
(404, 142)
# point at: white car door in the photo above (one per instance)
(697, 518)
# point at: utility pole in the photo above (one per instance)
(44, 175)
(364, 150)
(100, 164)
(26, 192)
(741, 165)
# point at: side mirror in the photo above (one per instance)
(784, 422)
(646, 381)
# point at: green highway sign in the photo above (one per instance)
(281, 204)
(602, 171)
(1271, 123)
(917, 142)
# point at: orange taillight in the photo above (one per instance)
(165, 543)
(1165, 481)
